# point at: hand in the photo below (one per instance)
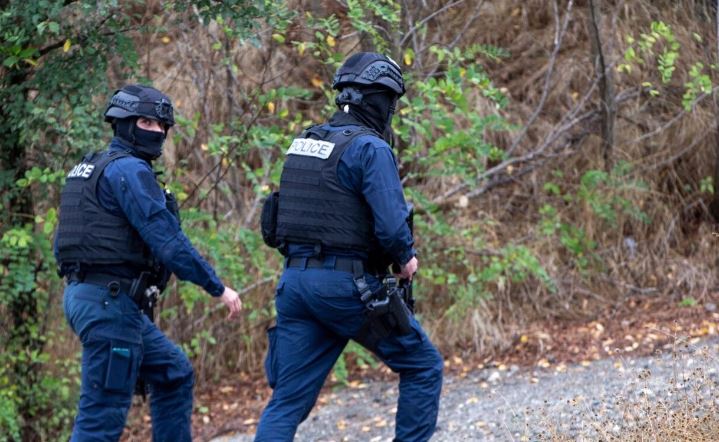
(409, 269)
(233, 302)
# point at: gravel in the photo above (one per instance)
(580, 401)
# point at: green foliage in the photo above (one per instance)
(688, 301)
(699, 83)
(661, 44)
(607, 196)
(363, 15)
(706, 185)
(440, 117)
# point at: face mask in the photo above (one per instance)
(147, 144)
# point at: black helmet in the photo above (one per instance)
(136, 100)
(370, 69)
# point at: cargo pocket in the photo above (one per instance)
(271, 358)
(119, 367)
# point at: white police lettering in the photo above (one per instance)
(311, 148)
(82, 170)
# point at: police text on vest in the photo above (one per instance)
(82, 170)
(311, 148)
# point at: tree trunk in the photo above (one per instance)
(606, 86)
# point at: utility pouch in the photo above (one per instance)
(118, 368)
(271, 357)
(268, 220)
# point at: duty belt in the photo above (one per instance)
(354, 266)
(140, 289)
(340, 264)
(114, 283)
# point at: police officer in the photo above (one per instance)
(119, 238)
(340, 203)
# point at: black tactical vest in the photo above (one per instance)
(314, 207)
(87, 233)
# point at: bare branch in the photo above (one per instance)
(421, 23)
(558, 36)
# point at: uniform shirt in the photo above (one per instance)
(368, 167)
(128, 187)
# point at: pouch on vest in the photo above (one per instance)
(268, 221)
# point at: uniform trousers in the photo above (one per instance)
(120, 344)
(318, 311)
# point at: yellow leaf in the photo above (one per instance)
(524, 338)
(341, 424)
(316, 82)
(408, 59)
(203, 146)
(330, 41)
(301, 48)
(165, 39)
(225, 162)
(271, 107)
(66, 46)
(30, 61)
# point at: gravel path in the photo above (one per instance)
(508, 403)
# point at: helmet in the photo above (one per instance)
(370, 69)
(136, 100)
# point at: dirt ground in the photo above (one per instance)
(642, 326)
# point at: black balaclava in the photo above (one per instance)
(146, 143)
(376, 109)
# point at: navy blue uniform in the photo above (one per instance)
(319, 310)
(119, 343)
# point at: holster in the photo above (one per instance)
(144, 293)
(385, 314)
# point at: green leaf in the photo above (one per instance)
(10, 61)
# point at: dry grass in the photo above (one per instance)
(685, 408)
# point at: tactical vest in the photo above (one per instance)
(87, 233)
(314, 207)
